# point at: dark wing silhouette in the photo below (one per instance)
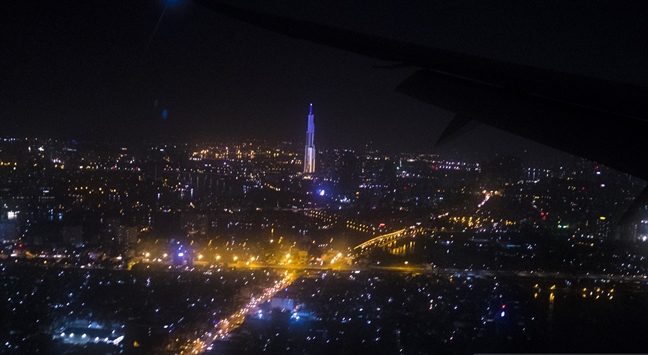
(593, 118)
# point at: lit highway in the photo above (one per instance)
(382, 239)
(385, 239)
(225, 326)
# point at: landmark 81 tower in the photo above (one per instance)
(309, 154)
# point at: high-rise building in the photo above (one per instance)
(127, 235)
(72, 235)
(9, 230)
(309, 154)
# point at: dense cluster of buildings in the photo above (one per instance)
(389, 313)
(252, 200)
(94, 214)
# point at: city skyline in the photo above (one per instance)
(160, 192)
(209, 247)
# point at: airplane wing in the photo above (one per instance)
(597, 119)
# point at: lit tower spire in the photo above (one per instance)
(309, 154)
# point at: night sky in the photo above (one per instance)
(100, 70)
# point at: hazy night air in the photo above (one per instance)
(204, 68)
(597, 119)
(161, 190)
(550, 107)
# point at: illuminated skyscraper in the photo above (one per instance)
(309, 154)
